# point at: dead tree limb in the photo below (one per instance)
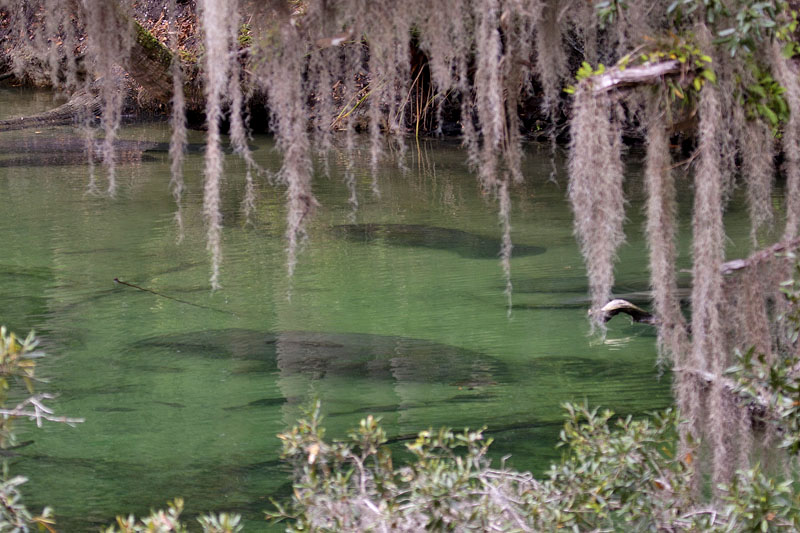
(647, 74)
(759, 257)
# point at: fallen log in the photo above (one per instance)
(82, 104)
(148, 64)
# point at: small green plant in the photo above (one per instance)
(245, 36)
(765, 99)
(614, 473)
(741, 25)
(586, 71)
(757, 502)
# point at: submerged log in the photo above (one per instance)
(758, 257)
(619, 305)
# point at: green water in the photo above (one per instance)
(182, 400)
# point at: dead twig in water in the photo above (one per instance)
(117, 280)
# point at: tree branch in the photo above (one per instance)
(40, 411)
(647, 74)
(759, 256)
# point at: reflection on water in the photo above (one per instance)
(184, 400)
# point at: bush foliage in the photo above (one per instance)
(617, 474)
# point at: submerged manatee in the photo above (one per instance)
(319, 354)
(63, 159)
(465, 244)
(37, 151)
(49, 145)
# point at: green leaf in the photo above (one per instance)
(757, 90)
(768, 113)
(709, 75)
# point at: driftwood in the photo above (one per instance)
(637, 314)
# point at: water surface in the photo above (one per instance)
(396, 309)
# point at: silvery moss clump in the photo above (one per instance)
(617, 474)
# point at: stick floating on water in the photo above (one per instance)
(117, 280)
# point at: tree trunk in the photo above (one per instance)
(149, 66)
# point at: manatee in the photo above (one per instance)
(465, 244)
(320, 354)
(263, 402)
(39, 151)
(73, 144)
(62, 159)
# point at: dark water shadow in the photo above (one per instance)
(465, 244)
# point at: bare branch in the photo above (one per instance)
(40, 411)
(616, 77)
(760, 256)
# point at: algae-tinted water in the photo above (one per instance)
(186, 400)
